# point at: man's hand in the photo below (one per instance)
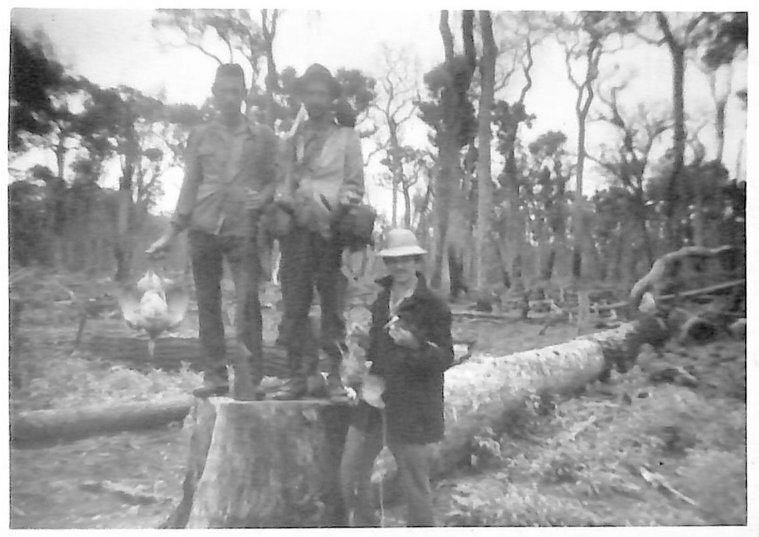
(284, 199)
(161, 246)
(348, 196)
(254, 200)
(403, 337)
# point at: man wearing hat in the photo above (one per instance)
(410, 347)
(230, 175)
(324, 176)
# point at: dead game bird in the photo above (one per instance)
(155, 305)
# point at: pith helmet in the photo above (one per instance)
(400, 243)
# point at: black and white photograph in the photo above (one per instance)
(394, 265)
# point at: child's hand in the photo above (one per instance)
(403, 337)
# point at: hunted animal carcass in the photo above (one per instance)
(155, 304)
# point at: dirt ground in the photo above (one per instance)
(638, 450)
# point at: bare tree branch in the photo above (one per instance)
(207, 53)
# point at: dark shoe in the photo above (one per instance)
(213, 386)
(316, 386)
(247, 384)
(293, 389)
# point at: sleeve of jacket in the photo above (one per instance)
(436, 351)
(354, 163)
(192, 178)
(269, 163)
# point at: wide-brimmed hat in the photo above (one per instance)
(401, 243)
(318, 72)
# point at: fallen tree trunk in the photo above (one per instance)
(666, 270)
(483, 391)
(67, 424)
(263, 464)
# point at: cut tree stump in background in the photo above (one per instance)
(263, 464)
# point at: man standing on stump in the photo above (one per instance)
(410, 346)
(324, 177)
(230, 176)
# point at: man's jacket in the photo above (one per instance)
(220, 165)
(413, 378)
(324, 161)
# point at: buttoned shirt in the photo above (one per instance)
(221, 164)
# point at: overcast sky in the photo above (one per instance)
(112, 47)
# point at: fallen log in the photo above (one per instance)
(483, 391)
(665, 270)
(263, 464)
(70, 423)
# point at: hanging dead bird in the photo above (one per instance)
(155, 305)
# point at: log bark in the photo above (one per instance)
(263, 464)
(483, 391)
(38, 426)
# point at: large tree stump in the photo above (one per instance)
(263, 464)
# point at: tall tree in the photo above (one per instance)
(588, 33)
(678, 40)
(524, 31)
(34, 76)
(451, 115)
(628, 161)
(545, 198)
(719, 40)
(269, 20)
(590, 52)
(395, 108)
(134, 128)
(484, 136)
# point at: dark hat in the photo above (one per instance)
(319, 72)
(232, 70)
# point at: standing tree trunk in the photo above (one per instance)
(406, 206)
(584, 99)
(269, 30)
(123, 245)
(675, 188)
(448, 153)
(484, 180)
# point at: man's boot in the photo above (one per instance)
(316, 385)
(248, 375)
(295, 387)
(215, 384)
(247, 381)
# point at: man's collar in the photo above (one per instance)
(327, 122)
(244, 124)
